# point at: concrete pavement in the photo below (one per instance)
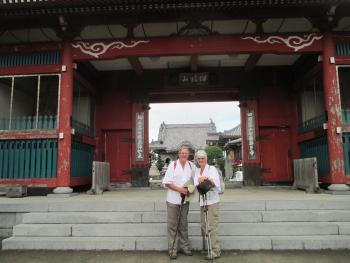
(323, 256)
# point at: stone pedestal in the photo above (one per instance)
(62, 192)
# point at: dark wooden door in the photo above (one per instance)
(275, 155)
(118, 154)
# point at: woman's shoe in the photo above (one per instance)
(186, 252)
(208, 257)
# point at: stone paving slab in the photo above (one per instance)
(264, 256)
(81, 218)
(307, 205)
(160, 243)
(306, 216)
(159, 229)
(101, 206)
(69, 243)
(35, 230)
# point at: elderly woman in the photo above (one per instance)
(209, 201)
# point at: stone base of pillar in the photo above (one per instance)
(338, 189)
(251, 174)
(62, 192)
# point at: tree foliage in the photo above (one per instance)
(214, 154)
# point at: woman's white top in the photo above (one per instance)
(213, 175)
(176, 174)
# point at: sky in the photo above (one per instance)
(225, 115)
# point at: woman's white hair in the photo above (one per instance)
(201, 153)
(183, 147)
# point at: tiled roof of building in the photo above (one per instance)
(234, 132)
(172, 136)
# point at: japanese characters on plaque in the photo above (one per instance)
(199, 78)
(139, 136)
(251, 140)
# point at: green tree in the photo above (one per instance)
(160, 163)
(214, 153)
(215, 156)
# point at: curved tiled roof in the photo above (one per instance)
(172, 136)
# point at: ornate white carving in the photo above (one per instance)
(99, 48)
(294, 42)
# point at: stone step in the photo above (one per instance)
(130, 217)
(133, 206)
(193, 217)
(159, 229)
(160, 243)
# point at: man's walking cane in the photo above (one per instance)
(203, 189)
(207, 230)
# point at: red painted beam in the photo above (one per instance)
(136, 65)
(214, 89)
(206, 45)
(342, 60)
(193, 97)
(28, 135)
(194, 63)
(35, 182)
(44, 183)
(30, 48)
(23, 70)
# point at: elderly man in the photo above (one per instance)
(178, 174)
(210, 202)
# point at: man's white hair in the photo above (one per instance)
(201, 153)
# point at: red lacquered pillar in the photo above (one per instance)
(64, 127)
(333, 108)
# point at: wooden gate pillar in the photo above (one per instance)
(64, 127)
(333, 108)
(250, 144)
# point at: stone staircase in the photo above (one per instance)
(245, 225)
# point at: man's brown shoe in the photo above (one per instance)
(173, 255)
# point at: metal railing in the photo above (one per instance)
(345, 114)
(46, 122)
(23, 159)
(317, 148)
(82, 156)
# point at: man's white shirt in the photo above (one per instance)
(176, 174)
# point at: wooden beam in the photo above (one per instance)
(87, 84)
(253, 59)
(186, 46)
(194, 63)
(136, 65)
(251, 62)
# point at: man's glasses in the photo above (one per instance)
(200, 158)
